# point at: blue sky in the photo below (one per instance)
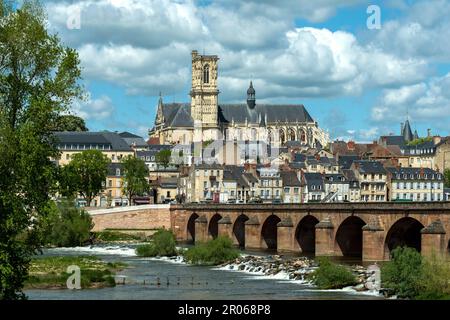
(357, 83)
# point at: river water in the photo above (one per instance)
(165, 279)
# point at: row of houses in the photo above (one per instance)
(365, 181)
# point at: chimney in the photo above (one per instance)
(351, 145)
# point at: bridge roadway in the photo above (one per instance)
(368, 230)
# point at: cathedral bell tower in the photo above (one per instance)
(204, 95)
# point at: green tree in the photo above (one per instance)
(69, 123)
(66, 225)
(163, 157)
(90, 169)
(163, 244)
(403, 272)
(447, 178)
(135, 173)
(330, 275)
(38, 81)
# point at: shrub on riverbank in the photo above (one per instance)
(163, 244)
(402, 273)
(409, 275)
(330, 275)
(51, 272)
(112, 236)
(67, 225)
(214, 252)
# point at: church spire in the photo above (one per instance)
(251, 101)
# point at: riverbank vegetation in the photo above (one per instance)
(411, 276)
(162, 244)
(330, 275)
(66, 225)
(51, 272)
(117, 236)
(213, 252)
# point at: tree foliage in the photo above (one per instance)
(213, 252)
(69, 123)
(66, 225)
(402, 273)
(163, 244)
(86, 174)
(330, 275)
(38, 80)
(163, 157)
(135, 173)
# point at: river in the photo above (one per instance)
(179, 281)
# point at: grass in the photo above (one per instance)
(51, 272)
(214, 252)
(112, 236)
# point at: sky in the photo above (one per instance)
(357, 82)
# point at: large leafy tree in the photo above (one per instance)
(87, 172)
(38, 81)
(135, 174)
(69, 123)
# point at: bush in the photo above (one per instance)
(214, 252)
(402, 274)
(108, 236)
(330, 275)
(67, 226)
(163, 244)
(434, 282)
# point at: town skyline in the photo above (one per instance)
(358, 83)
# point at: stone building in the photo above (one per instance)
(372, 180)
(205, 119)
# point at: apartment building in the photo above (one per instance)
(372, 180)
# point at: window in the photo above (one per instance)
(296, 190)
(206, 73)
(67, 156)
(286, 190)
(205, 184)
(168, 194)
(380, 176)
(118, 172)
(113, 157)
(110, 183)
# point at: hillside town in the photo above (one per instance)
(208, 152)
(394, 168)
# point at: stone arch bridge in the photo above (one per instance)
(367, 230)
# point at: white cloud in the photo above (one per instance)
(144, 46)
(94, 109)
(425, 102)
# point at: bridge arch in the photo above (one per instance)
(269, 232)
(191, 227)
(305, 234)
(213, 226)
(349, 237)
(239, 230)
(404, 232)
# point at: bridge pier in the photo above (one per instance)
(373, 242)
(201, 229)
(226, 228)
(433, 239)
(252, 234)
(285, 235)
(324, 238)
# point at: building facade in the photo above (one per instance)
(204, 119)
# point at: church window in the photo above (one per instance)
(302, 136)
(206, 73)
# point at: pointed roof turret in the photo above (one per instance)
(251, 100)
(407, 133)
(416, 135)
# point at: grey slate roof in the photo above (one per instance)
(179, 114)
(399, 173)
(132, 139)
(113, 139)
(314, 179)
(112, 169)
(393, 140)
(369, 166)
(290, 179)
(346, 161)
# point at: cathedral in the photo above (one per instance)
(205, 119)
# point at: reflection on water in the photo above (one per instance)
(152, 279)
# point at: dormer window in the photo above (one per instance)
(118, 172)
(206, 73)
